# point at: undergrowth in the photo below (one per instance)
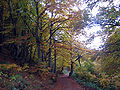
(14, 77)
(93, 84)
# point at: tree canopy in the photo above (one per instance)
(39, 36)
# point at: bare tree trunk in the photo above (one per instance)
(71, 69)
(50, 44)
(71, 60)
(50, 48)
(43, 56)
(14, 21)
(37, 37)
(54, 67)
(1, 22)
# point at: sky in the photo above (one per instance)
(97, 42)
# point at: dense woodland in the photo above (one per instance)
(38, 38)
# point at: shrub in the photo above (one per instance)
(103, 82)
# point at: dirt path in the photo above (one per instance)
(66, 83)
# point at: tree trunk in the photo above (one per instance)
(50, 44)
(14, 21)
(43, 56)
(54, 67)
(71, 60)
(71, 69)
(1, 22)
(37, 37)
(50, 49)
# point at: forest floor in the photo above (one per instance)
(64, 82)
(13, 80)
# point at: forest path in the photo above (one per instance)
(66, 83)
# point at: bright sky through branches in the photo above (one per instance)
(97, 42)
